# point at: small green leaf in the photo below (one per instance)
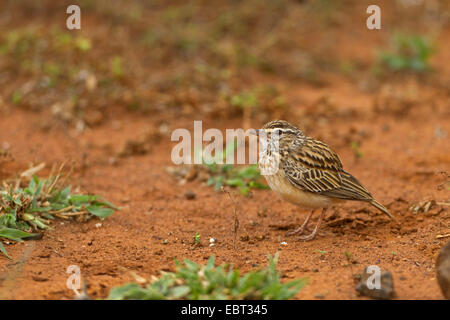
(180, 291)
(3, 250)
(83, 44)
(119, 293)
(65, 193)
(18, 201)
(100, 211)
(14, 234)
(16, 97)
(236, 182)
(79, 199)
(197, 238)
(106, 204)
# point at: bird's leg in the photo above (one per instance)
(302, 227)
(313, 234)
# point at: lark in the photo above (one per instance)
(307, 173)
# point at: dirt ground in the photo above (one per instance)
(403, 129)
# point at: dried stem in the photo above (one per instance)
(235, 217)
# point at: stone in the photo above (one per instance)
(443, 270)
(368, 284)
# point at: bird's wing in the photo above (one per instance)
(351, 189)
(313, 166)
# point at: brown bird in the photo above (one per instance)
(306, 172)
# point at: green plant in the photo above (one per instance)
(18, 42)
(25, 210)
(16, 97)
(348, 255)
(244, 178)
(83, 44)
(199, 282)
(197, 238)
(117, 67)
(244, 99)
(263, 98)
(357, 152)
(53, 71)
(409, 52)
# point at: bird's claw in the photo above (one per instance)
(297, 231)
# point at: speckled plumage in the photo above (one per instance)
(310, 174)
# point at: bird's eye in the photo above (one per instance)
(278, 132)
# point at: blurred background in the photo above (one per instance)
(233, 59)
(105, 99)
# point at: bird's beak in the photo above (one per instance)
(256, 132)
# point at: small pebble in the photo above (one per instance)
(245, 237)
(190, 195)
(386, 290)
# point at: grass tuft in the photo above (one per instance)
(27, 210)
(203, 282)
(408, 53)
(244, 178)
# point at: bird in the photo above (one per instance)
(306, 172)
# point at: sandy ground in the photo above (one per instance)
(403, 129)
(402, 164)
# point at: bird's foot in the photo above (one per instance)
(297, 231)
(316, 228)
(308, 237)
(303, 227)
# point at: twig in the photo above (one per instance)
(30, 172)
(68, 174)
(443, 203)
(70, 214)
(50, 188)
(235, 217)
(61, 216)
(61, 210)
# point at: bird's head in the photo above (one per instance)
(279, 129)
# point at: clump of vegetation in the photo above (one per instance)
(26, 210)
(197, 238)
(408, 53)
(267, 99)
(322, 253)
(244, 178)
(200, 282)
(357, 152)
(244, 99)
(117, 67)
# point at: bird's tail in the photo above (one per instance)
(382, 208)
